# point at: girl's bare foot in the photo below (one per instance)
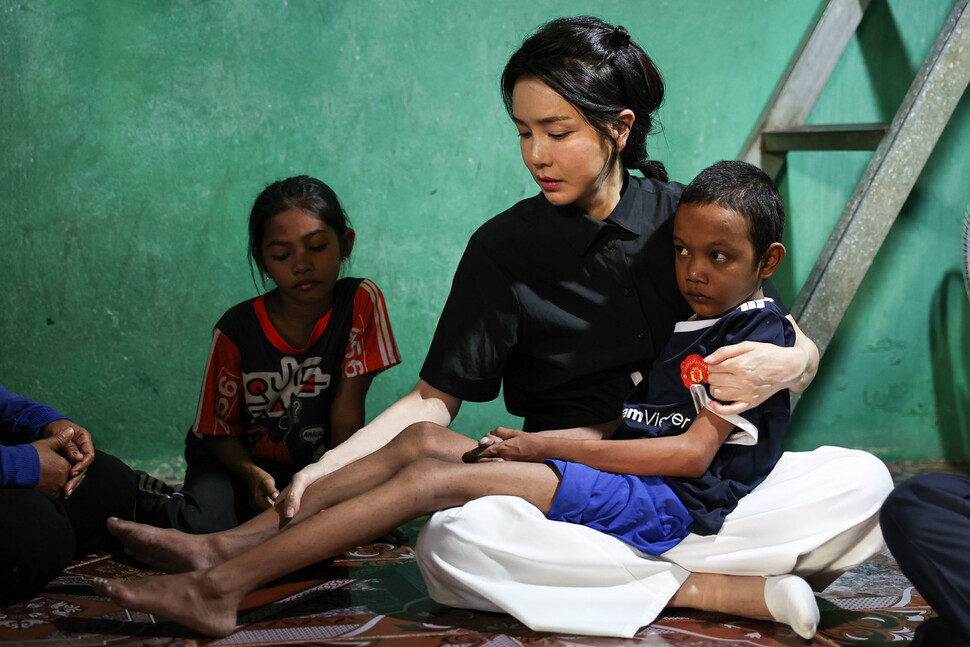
(187, 598)
(170, 550)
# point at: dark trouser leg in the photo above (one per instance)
(211, 500)
(926, 523)
(108, 490)
(36, 544)
(42, 536)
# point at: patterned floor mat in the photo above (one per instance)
(374, 596)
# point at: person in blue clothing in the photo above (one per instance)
(56, 492)
(672, 467)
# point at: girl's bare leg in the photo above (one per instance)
(207, 600)
(176, 552)
(786, 599)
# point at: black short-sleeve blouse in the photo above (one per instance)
(560, 308)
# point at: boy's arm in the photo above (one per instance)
(499, 434)
(685, 455)
(591, 432)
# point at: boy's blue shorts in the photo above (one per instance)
(642, 511)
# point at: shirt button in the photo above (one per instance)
(626, 292)
(641, 335)
(610, 245)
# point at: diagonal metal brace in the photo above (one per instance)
(804, 79)
(887, 181)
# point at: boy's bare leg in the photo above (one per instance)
(786, 599)
(175, 551)
(207, 600)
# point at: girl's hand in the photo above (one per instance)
(263, 488)
(504, 444)
(748, 373)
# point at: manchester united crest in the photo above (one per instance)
(693, 370)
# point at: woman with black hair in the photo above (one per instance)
(559, 302)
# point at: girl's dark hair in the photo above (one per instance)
(301, 192)
(744, 189)
(599, 70)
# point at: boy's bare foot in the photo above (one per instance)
(170, 550)
(187, 598)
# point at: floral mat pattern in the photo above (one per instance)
(374, 596)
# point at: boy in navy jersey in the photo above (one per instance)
(727, 233)
(672, 467)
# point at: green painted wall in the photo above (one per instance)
(135, 134)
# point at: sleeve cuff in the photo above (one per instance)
(744, 432)
(19, 466)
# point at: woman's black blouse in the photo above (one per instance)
(559, 309)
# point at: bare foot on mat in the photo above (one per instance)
(190, 599)
(170, 550)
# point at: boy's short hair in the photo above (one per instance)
(747, 190)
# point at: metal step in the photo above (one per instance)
(837, 137)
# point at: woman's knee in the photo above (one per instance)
(865, 479)
(869, 471)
